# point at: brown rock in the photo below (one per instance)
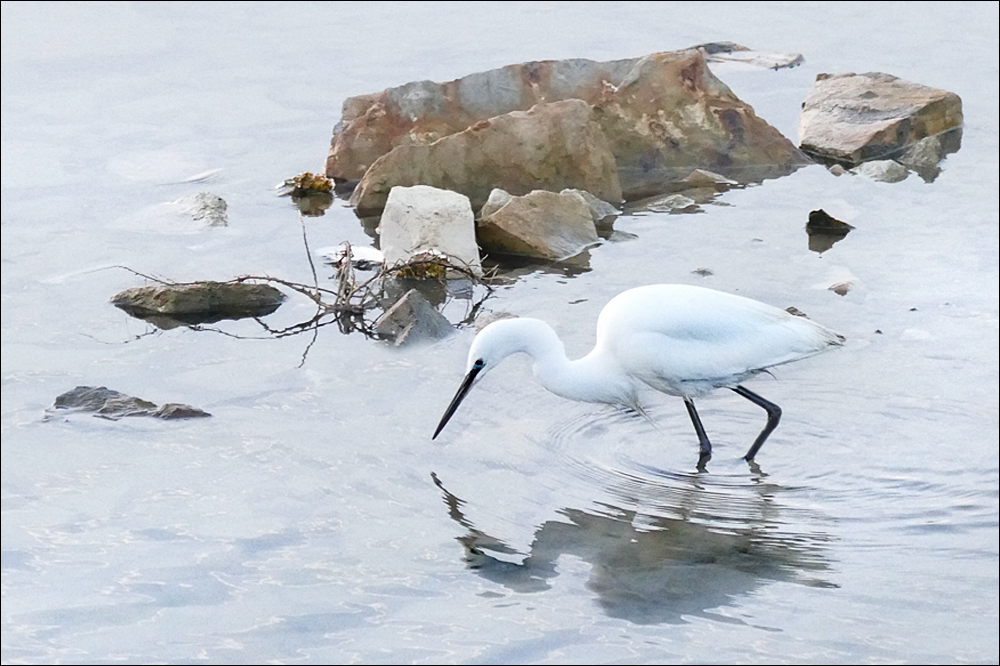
(671, 115)
(541, 224)
(665, 115)
(423, 112)
(551, 146)
(854, 118)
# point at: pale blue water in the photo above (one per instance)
(302, 523)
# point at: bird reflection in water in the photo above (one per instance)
(652, 569)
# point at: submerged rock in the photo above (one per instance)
(199, 302)
(419, 220)
(114, 405)
(206, 207)
(541, 224)
(883, 171)
(551, 146)
(924, 156)
(854, 118)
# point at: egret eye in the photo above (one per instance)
(478, 365)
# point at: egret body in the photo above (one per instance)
(681, 340)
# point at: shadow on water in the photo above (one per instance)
(651, 567)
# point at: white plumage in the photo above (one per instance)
(678, 339)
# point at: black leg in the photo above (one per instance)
(773, 416)
(703, 443)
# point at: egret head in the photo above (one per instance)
(492, 345)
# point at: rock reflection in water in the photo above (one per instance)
(652, 569)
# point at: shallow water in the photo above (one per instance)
(311, 519)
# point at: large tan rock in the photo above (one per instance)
(540, 224)
(854, 118)
(424, 111)
(670, 116)
(664, 114)
(551, 146)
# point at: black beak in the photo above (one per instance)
(457, 400)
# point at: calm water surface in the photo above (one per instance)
(311, 519)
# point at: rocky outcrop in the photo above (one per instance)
(663, 116)
(550, 146)
(854, 118)
(424, 111)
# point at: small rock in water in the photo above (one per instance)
(114, 405)
(200, 302)
(729, 52)
(412, 318)
(311, 193)
(853, 118)
(841, 288)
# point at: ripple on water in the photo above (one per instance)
(664, 541)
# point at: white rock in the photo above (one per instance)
(423, 219)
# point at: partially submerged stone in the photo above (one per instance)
(205, 207)
(311, 193)
(731, 53)
(853, 118)
(114, 405)
(541, 224)
(825, 230)
(200, 302)
(708, 179)
(883, 171)
(924, 157)
(423, 219)
(304, 184)
(412, 318)
(551, 146)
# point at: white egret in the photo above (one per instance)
(678, 339)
